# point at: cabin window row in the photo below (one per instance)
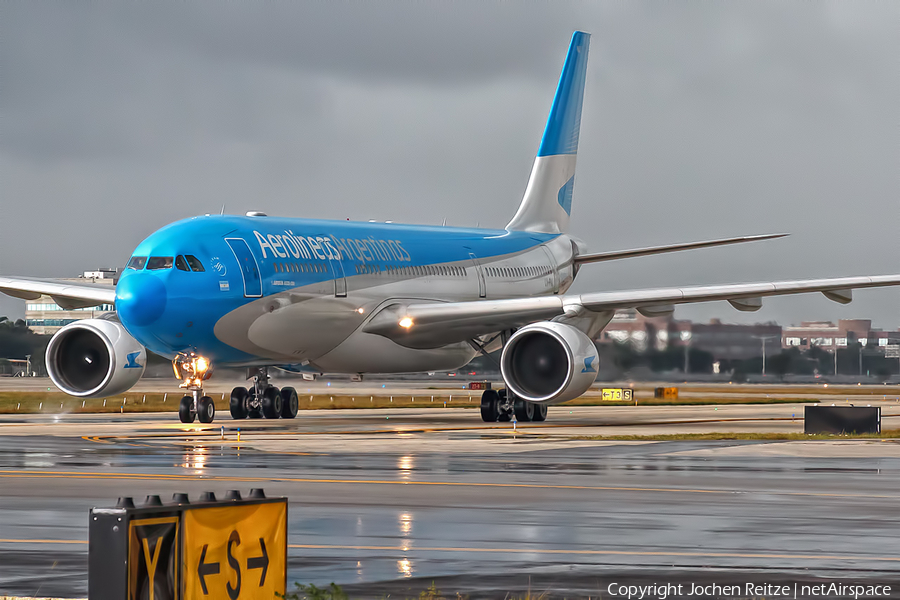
(511, 272)
(301, 268)
(421, 271)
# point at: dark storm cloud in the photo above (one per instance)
(701, 120)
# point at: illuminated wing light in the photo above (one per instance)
(406, 322)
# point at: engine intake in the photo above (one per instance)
(95, 358)
(549, 362)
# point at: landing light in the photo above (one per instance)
(406, 322)
(201, 365)
(360, 310)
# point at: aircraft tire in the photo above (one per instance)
(252, 407)
(206, 409)
(490, 406)
(290, 403)
(272, 403)
(540, 412)
(186, 410)
(238, 404)
(524, 410)
(503, 414)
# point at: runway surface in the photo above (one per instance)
(385, 502)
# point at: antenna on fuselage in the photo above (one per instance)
(222, 212)
(444, 222)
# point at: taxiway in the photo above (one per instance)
(384, 502)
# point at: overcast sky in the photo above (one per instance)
(701, 120)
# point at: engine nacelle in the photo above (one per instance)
(549, 362)
(95, 358)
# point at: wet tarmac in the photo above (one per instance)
(384, 510)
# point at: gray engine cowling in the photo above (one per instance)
(95, 358)
(549, 362)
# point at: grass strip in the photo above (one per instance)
(56, 402)
(888, 434)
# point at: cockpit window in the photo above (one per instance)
(157, 263)
(196, 265)
(137, 262)
(180, 263)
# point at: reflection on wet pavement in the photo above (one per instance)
(394, 514)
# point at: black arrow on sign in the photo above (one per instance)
(260, 562)
(205, 569)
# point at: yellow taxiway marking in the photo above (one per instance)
(598, 488)
(519, 550)
(12, 541)
(413, 548)
(213, 432)
(96, 438)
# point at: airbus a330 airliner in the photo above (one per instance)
(319, 296)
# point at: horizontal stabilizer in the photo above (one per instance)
(620, 254)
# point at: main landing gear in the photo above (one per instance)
(264, 400)
(501, 405)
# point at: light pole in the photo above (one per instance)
(764, 339)
(686, 341)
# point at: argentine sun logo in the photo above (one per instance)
(132, 360)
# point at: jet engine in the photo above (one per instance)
(549, 362)
(95, 358)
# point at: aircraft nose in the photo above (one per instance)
(140, 298)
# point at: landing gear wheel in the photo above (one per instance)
(254, 411)
(239, 403)
(524, 410)
(271, 403)
(206, 409)
(290, 403)
(504, 412)
(490, 401)
(540, 412)
(186, 410)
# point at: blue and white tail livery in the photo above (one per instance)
(547, 204)
(318, 296)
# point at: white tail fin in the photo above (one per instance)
(547, 203)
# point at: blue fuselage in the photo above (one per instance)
(287, 291)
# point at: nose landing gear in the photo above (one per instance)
(193, 370)
(263, 399)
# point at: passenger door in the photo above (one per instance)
(554, 270)
(479, 273)
(340, 281)
(249, 267)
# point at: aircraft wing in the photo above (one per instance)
(66, 294)
(420, 324)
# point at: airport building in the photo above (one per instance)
(829, 336)
(725, 341)
(45, 316)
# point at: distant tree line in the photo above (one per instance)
(17, 342)
(852, 360)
